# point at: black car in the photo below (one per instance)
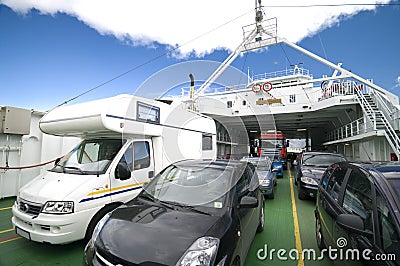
(357, 213)
(309, 169)
(192, 213)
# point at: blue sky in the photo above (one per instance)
(48, 57)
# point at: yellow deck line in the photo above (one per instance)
(296, 223)
(6, 208)
(9, 240)
(5, 231)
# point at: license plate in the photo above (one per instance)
(23, 233)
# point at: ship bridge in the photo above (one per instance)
(335, 113)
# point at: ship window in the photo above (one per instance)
(229, 104)
(292, 98)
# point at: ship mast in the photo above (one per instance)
(263, 33)
(260, 34)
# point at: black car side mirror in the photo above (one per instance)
(248, 202)
(122, 171)
(351, 222)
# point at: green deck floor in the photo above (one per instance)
(278, 234)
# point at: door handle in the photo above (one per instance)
(151, 174)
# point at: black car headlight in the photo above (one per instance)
(265, 182)
(309, 180)
(202, 252)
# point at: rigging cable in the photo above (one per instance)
(336, 5)
(323, 47)
(287, 57)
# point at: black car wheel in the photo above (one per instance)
(260, 227)
(318, 234)
(236, 262)
(300, 194)
(272, 195)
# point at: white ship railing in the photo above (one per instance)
(357, 127)
(282, 73)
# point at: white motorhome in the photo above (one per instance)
(126, 140)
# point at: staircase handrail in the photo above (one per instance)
(390, 133)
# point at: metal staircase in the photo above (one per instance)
(378, 120)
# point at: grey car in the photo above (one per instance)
(263, 167)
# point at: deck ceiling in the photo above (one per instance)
(292, 124)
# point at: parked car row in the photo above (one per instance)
(357, 206)
(200, 205)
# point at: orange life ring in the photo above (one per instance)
(256, 88)
(267, 86)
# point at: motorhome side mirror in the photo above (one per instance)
(352, 223)
(248, 202)
(122, 171)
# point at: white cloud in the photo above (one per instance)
(180, 22)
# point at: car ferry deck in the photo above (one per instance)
(289, 230)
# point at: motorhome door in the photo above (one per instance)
(139, 160)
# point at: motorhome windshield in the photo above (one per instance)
(89, 157)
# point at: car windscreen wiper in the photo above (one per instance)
(146, 196)
(73, 168)
(185, 206)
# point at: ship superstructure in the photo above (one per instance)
(342, 112)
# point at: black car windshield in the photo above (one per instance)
(89, 157)
(323, 160)
(192, 186)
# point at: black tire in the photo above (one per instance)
(318, 234)
(272, 195)
(300, 194)
(236, 262)
(261, 219)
